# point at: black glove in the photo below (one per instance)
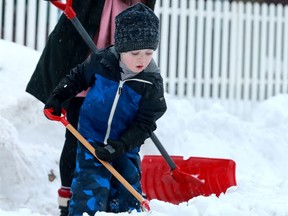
(55, 103)
(113, 150)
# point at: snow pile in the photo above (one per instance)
(30, 148)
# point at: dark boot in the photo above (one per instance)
(64, 211)
(64, 196)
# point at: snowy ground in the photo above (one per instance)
(30, 147)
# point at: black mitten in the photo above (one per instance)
(113, 150)
(55, 103)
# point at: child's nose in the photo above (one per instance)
(142, 59)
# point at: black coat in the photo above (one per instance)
(65, 48)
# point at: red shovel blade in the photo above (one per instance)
(192, 177)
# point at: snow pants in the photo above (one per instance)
(95, 189)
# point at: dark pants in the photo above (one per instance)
(68, 155)
(95, 189)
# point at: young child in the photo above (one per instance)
(125, 99)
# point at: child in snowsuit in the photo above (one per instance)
(125, 99)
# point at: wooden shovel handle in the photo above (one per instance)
(115, 173)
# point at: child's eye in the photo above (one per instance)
(134, 53)
(149, 53)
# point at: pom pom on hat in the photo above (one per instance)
(136, 28)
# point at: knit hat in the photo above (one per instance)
(136, 28)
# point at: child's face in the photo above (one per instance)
(137, 60)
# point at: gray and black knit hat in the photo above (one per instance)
(136, 28)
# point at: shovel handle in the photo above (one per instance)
(115, 173)
(71, 15)
(62, 118)
(65, 7)
(163, 152)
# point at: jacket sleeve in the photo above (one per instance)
(79, 79)
(65, 49)
(152, 107)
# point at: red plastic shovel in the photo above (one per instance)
(173, 179)
(71, 15)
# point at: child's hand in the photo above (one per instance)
(55, 103)
(113, 150)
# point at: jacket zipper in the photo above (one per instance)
(115, 102)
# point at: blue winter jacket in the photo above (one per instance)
(124, 110)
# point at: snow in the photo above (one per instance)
(30, 147)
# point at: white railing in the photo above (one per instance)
(27, 22)
(210, 51)
(232, 53)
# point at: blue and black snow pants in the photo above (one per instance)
(95, 189)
